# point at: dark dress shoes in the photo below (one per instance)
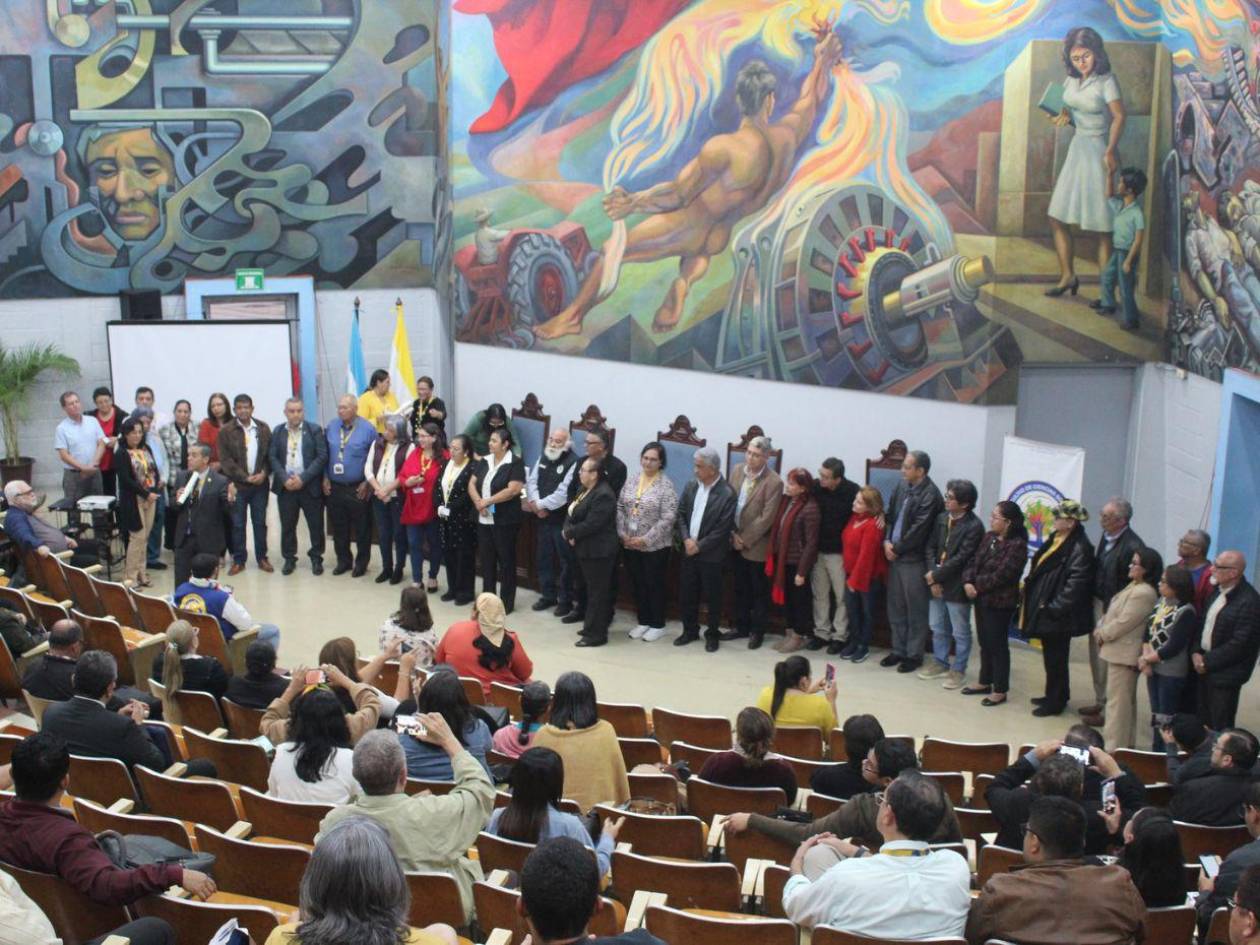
(591, 641)
(542, 604)
(289, 566)
(573, 617)
(359, 570)
(687, 638)
(710, 644)
(341, 569)
(317, 568)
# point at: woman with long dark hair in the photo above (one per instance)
(1152, 854)
(443, 692)
(795, 698)
(595, 772)
(138, 485)
(591, 530)
(533, 814)
(360, 704)
(419, 479)
(484, 423)
(1119, 637)
(457, 521)
(865, 568)
(483, 647)
(991, 579)
(340, 652)
(791, 553)
(513, 740)
(314, 763)
(218, 415)
(1165, 659)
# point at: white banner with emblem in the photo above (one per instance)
(1038, 476)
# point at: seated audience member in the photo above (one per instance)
(1046, 771)
(38, 834)
(443, 693)
(354, 890)
(594, 771)
(32, 533)
(903, 891)
(89, 728)
(362, 718)
(1057, 896)
(750, 764)
(259, 684)
(412, 623)
(1152, 855)
(483, 648)
(1187, 734)
(430, 833)
(203, 594)
(22, 922)
(533, 814)
(859, 817)
(845, 779)
(513, 740)
(1225, 655)
(342, 653)
(52, 675)
(314, 764)
(796, 698)
(1214, 797)
(1244, 917)
(560, 894)
(1215, 893)
(17, 637)
(178, 666)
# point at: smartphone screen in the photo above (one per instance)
(315, 677)
(1079, 755)
(1108, 795)
(1211, 865)
(831, 672)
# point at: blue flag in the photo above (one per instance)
(356, 371)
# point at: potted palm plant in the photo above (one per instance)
(20, 369)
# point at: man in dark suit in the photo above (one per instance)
(298, 455)
(1111, 573)
(244, 446)
(92, 730)
(1214, 797)
(912, 510)
(203, 505)
(1215, 893)
(705, 520)
(1226, 653)
(52, 676)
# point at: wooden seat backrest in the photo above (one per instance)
(804, 768)
(1151, 767)
(36, 705)
(688, 885)
(387, 679)
(678, 836)
(473, 689)
(199, 709)
(10, 678)
(18, 601)
(156, 613)
(705, 731)
(506, 697)
(287, 820)
(773, 882)
(705, 799)
(242, 721)
(627, 719)
(1198, 840)
(436, 788)
(639, 751)
(246, 762)
(496, 909)
(658, 787)
(103, 780)
(196, 921)
(265, 870)
(434, 898)
(1218, 929)
(976, 821)
(96, 818)
(81, 590)
(755, 845)
(497, 853)
(820, 805)
(116, 600)
(675, 925)
(939, 754)
(210, 641)
(209, 802)
(49, 612)
(826, 935)
(953, 783)
(105, 633)
(1172, 925)
(694, 755)
(993, 859)
(74, 917)
(799, 741)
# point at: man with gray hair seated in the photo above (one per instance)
(705, 520)
(32, 533)
(429, 833)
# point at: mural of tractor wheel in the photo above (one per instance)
(542, 278)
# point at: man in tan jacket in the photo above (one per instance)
(1056, 896)
(758, 489)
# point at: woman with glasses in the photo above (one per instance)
(645, 523)
(1165, 658)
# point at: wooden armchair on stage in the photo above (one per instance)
(592, 420)
(735, 452)
(884, 473)
(534, 427)
(680, 442)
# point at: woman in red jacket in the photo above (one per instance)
(864, 568)
(419, 478)
(793, 549)
(483, 647)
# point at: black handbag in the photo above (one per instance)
(136, 850)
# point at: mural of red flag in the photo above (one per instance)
(548, 45)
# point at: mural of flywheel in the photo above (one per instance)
(853, 294)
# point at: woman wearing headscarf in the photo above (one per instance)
(1058, 600)
(484, 648)
(792, 551)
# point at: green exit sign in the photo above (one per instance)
(249, 280)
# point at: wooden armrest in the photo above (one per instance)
(28, 589)
(219, 732)
(239, 830)
(35, 650)
(94, 569)
(638, 907)
(497, 878)
(754, 884)
(499, 937)
(152, 640)
(67, 603)
(717, 831)
(124, 805)
(624, 848)
(177, 770)
(64, 555)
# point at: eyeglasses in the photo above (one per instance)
(1223, 567)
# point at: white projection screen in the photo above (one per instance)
(190, 360)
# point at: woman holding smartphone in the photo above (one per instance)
(795, 698)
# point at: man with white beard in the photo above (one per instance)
(546, 497)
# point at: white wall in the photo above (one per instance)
(77, 327)
(808, 423)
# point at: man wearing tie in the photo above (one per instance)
(298, 455)
(203, 501)
(243, 450)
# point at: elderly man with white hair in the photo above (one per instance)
(33, 533)
(547, 499)
(1230, 642)
(346, 488)
(705, 520)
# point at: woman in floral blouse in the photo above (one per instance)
(645, 524)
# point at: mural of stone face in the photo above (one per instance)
(130, 169)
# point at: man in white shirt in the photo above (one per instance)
(22, 922)
(546, 498)
(905, 891)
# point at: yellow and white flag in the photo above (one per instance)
(402, 378)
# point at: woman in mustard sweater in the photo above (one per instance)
(594, 771)
(796, 699)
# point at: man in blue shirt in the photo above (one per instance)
(349, 439)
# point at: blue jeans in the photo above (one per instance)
(1165, 695)
(860, 606)
(269, 633)
(1113, 277)
(153, 551)
(553, 563)
(391, 536)
(251, 499)
(950, 620)
(418, 537)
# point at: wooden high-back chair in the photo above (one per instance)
(799, 741)
(103, 780)
(680, 836)
(628, 720)
(242, 721)
(116, 599)
(196, 921)
(209, 802)
(287, 820)
(705, 731)
(264, 870)
(706, 799)
(74, 917)
(689, 885)
(245, 761)
(940, 754)
(675, 925)
(434, 898)
(95, 818)
(498, 853)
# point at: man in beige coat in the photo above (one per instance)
(758, 489)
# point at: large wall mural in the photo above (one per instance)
(881, 195)
(143, 142)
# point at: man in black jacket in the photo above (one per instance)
(1216, 893)
(90, 729)
(834, 495)
(297, 455)
(1111, 573)
(52, 676)
(1214, 797)
(203, 504)
(596, 446)
(705, 520)
(915, 504)
(951, 545)
(1230, 641)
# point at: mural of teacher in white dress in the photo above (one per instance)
(1091, 97)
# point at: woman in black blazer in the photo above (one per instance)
(457, 521)
(1057, 602)
(591, 529)
(138, 485)
(495, 489)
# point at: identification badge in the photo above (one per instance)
(416, 490)
(339, 469)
